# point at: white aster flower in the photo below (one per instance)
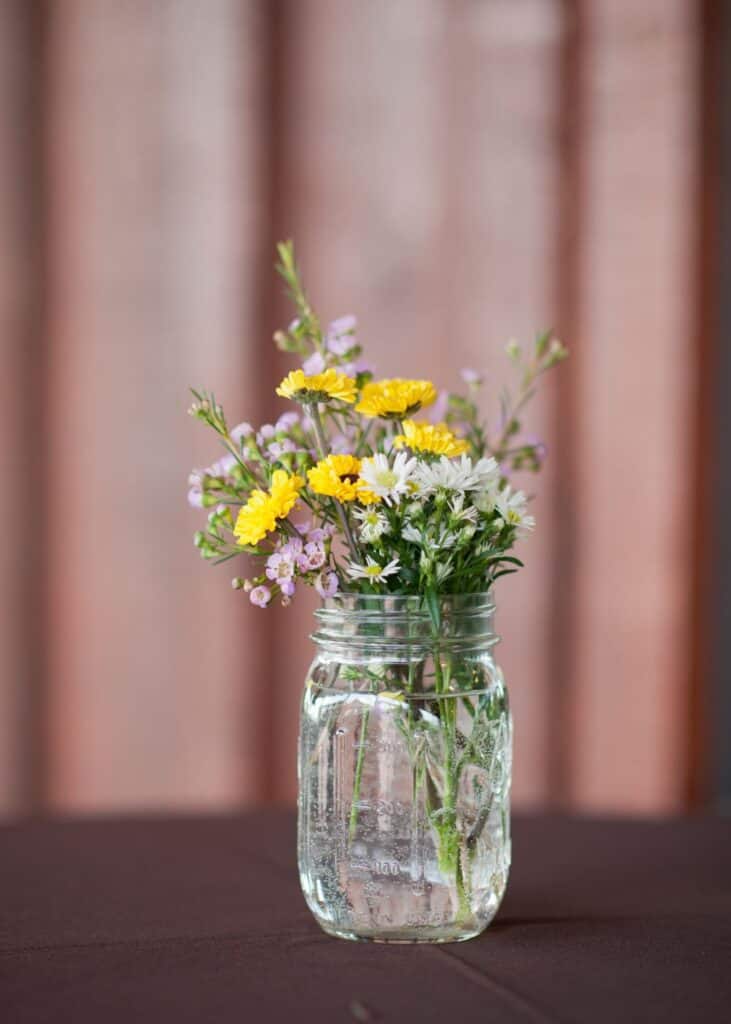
(372, 570)
(388, 480)
(455, 474)
(485, 499)
(411, 534)
(443, 571)
(373, 523)
(511, 507)
(459, 513)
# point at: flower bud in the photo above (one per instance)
(238, 583)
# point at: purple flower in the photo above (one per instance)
(287, 587)
(266, 433)
(313, 558)
(286, 421)
(540, 448)
(313, 364)
(438, 411)
(223, 466)
(359, 366)
(471, 377)
(276, 449)
(327, 584)
(260, 596)
(303, 527)
(241, 431)
(291, 548)
(280, 566)
(340, 336)
(294, 324)
(195, 497)
(340, 445)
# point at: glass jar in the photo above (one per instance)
(404, 769)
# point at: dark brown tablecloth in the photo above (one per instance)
(202, 920)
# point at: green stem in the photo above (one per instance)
(358, 773)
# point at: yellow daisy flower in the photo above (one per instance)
(318, 387)
(395, 398)
(424, 437)
(259, 515)
(337, 477)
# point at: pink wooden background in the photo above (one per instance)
(456, 173)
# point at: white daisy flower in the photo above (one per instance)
(459, 513)
(455, 474)
(411, 534)
(373, 523)
(484, 500)
(511, 507)
(430, 566)
(388, 480)
(372, 570)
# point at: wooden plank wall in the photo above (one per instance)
(636, 382)
(456, 173)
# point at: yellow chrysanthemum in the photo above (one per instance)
(318, 387)
(395, 398)
(425, 437)
(259, 515)
(337, 477)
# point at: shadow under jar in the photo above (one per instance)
(404, 770)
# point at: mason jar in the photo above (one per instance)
(404, 769)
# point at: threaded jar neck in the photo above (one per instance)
(398, 626)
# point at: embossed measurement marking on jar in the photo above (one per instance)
(381, 747)
(390, 868)
(392, 807)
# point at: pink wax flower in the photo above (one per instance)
(340, 336)
(313, 364)
(288, 588)
(280, 566)
(471, 377)
(286, 421)
(438, 410)
(291, 548)
(223, 466)
(276, 449)
(327, 584)
(260, 596)
(314, 557)
(241, 431)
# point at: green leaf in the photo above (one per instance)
(503, 572)
(432, 603)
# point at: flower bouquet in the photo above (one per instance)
(396, 504)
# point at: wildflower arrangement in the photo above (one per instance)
(370, 485)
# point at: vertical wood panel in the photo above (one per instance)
(636, 427)
(156, 116)
(21, 488)
(500, 202)
(362, 195)
(422, 153)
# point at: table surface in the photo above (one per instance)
(201, 919)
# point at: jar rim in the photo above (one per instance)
(344, 598)
(391, 623)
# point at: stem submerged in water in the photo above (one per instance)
(358, 774)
